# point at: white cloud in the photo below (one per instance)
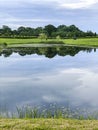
(30, 20)
(74, 71)
(36, 13)
(87, 91)
(77, 5)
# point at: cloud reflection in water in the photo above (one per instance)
(38, 80)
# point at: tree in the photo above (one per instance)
(38, 31)
(21, 31)
(14, 32)
(6, 31)
(58, 37)
(73, 28)
(90, 34)
(62, 28)
(50, 29)
(29, 31)
(42, 36)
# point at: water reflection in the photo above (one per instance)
(49, 52)
(35, 80)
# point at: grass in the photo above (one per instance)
(10, 41)
(83, 42)
(80, 42)
(48, 124)
(29, 119)
(50, 111)
(17, 41)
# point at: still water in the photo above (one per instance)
(45, 75)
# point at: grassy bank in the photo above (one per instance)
(83, 42)
(48, 124)
(80, 42)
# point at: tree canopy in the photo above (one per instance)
(50, 31)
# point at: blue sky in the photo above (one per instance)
(34, 13)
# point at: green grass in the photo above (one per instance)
(80, 42)
(17, 41)
(48, 124)
(36, 122)
(10, 41)
(83, 42)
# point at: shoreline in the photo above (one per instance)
(81, 42)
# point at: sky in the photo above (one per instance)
(35, 13)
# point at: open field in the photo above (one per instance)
(80, 42)
(17, 41)
(83, 42)
(48, 124)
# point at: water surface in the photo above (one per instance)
(67, 76)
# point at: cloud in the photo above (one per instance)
(51, 98)
(15, 22)
(30, 20)
(34, 13)
(76, 4)
(87, 91)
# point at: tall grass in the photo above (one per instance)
(52, 111)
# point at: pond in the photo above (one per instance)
(44, 75)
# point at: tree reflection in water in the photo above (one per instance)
(49, 52)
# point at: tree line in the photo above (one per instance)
(49, 31)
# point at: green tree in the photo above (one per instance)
(21, 31)
(50, 29)
(42, 36)
(58, 37)
(6, 31)
(29, 31)
(90, 34)
(38, 31)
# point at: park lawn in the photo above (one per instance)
(11, 41)
(93, 42)
(48, 124)
(83, 42)
(19, 41)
